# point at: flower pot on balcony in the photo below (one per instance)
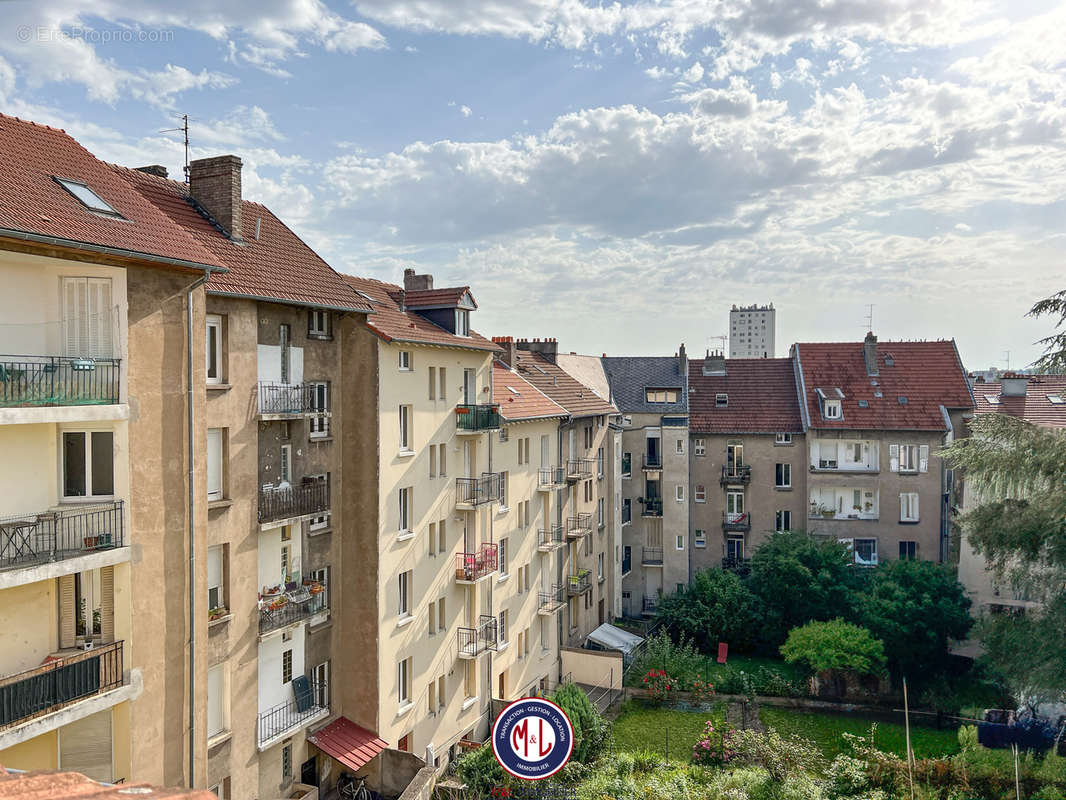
(90, 541)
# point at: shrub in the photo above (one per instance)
(660, 685)
(714, 748)
(846, 777)
(835, 645)
(715, 606)
(779, 755)
(702, 691)
(591, 731)
(746, 783)
(480, 771)
(660, 652)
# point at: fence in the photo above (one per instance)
(281, 502)
(58, 381)
(309, 699)
(286, 398)
(57, 535)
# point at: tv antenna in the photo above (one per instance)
(721, 338)
(870, 317)
(184, 129)
(1006, 356)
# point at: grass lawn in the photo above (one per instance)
(642, 727)
(825, 729)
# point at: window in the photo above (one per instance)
(599, 462)
(319, 426)
(283, 346)
(627, 465)
(431, 616)
(599, 512)
(405, 510)
(87, 197)
(783, 438)
(661, 395)
(627, 510)
(286, 666)
(88, 464)
(431, 695)
(699, 447)
(908, 458)
(503, 489)
(320, 684)
(442, 545)
(318, 323)
(216, 701)
(783, 476)
(216, 594)
(503, 627)
(588, 491)
(215, 464)
(572, 602)
(908, 550)
(721, 400)
(680, 543)
(783, 521)
(832, 409)
(679, 447)
(405, 360)
(600, 560)
(432, 383)
(433, 538)
(285, 467)
(462, 322)
(440, 692)
(403, 681)
(442, 460)
(404, 586)
(700, 493)
(627, 559)
(433, 461)
(680, 492)
(502, 556)
(405, 429)
(441, 395)
(699, 538)
(442, 622)
(865, 551)
(1055, 399)
(214, 348)
(908, 507)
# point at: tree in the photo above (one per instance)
(914, 608)
(590, 729)
(820, 576)
(835, 645)
(716, 606)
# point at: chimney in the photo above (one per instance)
(510, 349)
(1013, 384)
(416, 283)
(549, 348)
(714, 363)
(682, 360)
(869, 353)
(215, 183)
(154, 169)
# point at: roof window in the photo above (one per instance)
(993, 399)
(514, 391)
(902, 399)
(87, 197)
(721, 400)
(864, 404)
(1055, 399)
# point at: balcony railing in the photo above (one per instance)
(59, 683)
(736, 474)
(309, 498)
(653, 507)
(476, 641)
(478, 491)
(550, 602)
(310, 699)
(551, 477)
(287, 399)
(58, 381)
(57, 535)
(550, 538)
(741, 566)
(477, 418)
(652, 556)
(736, 521)
(289, 608)
(471, 567)
(579, 525)
(652, 462)
(579, 583)
(651, 603)
(578, 468)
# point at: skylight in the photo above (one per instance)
(902, 399)
(1056, 399)
(87, 196)
(993, 399)
(514, 391)
(864, 404)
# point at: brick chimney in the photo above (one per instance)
(549, 348)
(215, 183)
(682, 360)
(416, 283)
(714, 363)
(154, 169)
(510, 349)
(1013, 384)
(869, 353)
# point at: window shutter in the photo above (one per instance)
(107, 604)
(893, 457)
(99, 318)
(214, 463)
(914, 506)
(67, 625)
(923, 458)
(74, 315)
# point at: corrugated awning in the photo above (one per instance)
(347, 742)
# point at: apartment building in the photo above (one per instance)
(273, 329)
(581, 505)
(1039, 400)
(94, 428)
(652, 395)
(747, 457)
(752, 331)
(874, 416)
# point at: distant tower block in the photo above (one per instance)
(752, 331)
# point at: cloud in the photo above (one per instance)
(465, 111)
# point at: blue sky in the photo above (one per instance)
(615, 175)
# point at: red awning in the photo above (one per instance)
(345, 741)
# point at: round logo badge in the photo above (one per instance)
(532, 738)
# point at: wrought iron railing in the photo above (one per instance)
(474, 641)
(741, 566)
(310, 698)
(553, 600)
(652, 460)
(476, 565)
(289, 608)
(57, 535)
(470, 417)
(735, 474)
(651, 555)
(548, 538)
(651, 603)
(287, 398)
(579, 468)
(552, 476)
(653, 507)
(736, 521)
(579, 583)
(58, 381)
(59, 683)
(579, 525)
(282, 502)
(478, 491)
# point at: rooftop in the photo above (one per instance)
(1038, 405)
(631, 376)
(575, 397)
(518, 398)
(760, 394)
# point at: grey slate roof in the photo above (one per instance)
(629, 376)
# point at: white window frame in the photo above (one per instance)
(318, 324)
(319, 425)
(908, 458)
(699, 493)
(679, 542)
(403, 588)
(679, 492)
(216, 577)
(855, 550)
(88, 329)
(404, 362)
(404, 419)
(679, 447)
(213, 322)
(462, 322)
(783, 471)
(405, 509)
(217, 717)
(783, 438)
(601, 560)
(699, 538)
(501, 556)
(832, 409)
(908, 507)
(403, 682)
(285, 465)
(699, 447)
(216, 451)
(87, 496)
(783, 520)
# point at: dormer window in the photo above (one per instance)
(721, 400)
(832, 409)
(87, 197)
(661, 395)
(462, 322)
(993, 399)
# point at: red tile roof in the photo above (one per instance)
(32, 202)
(347, 742)
(1034, 407)
(518, 398)
(277, 266)
(560, 386)
(393, 325)
(48, 785)
(762, 397)
(927, 374)
(426, 298)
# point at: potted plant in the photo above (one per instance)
(316, 588)
(90, 541)
(826, 512)
(216, 613)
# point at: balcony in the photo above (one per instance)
(739, 521)
(549, 539)
(653, 507)
(734, 476)
(57, 535)
(579, 469)
(60, 682)
(291, 607)
(579, 525)
(286, 400)
(652, 462)
(474, 642)
(470, 493)
(308, 499)
(651, 557)
(28, 381)
(551, 478)
(627, 513)
(473, 419)
(651, 604)
(475, 567)
(579, 583)
(741, 566)
(627, 561)
(549, 603)
(309, 703)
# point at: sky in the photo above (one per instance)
(614, 174)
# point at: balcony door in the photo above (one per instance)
(87, 317)
(654, 449)
(87, 607)
(469, 386)
(734, 548)
(734, 458)
(734, 505)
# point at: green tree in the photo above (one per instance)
(716, 606)
(914, 608)
(481, 772)
(590, 729)
(835, 645)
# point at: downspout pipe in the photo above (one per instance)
(191, 418)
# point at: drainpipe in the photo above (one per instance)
(192, 531)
